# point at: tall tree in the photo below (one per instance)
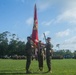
(3, 43)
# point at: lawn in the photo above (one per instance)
(17, 67)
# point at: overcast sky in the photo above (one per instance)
(57, 18)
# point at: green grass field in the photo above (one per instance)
(17, 67)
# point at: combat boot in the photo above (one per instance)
(28, 72)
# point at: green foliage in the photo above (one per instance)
(17, 67)
(3, 43)
(11, 45)
(75, 54)
(63, 53)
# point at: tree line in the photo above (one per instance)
(11, 45)
(64, 54)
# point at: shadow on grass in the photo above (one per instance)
(8, 73)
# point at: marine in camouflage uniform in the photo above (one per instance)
(29, 47)
(40, 55)
(48, 53)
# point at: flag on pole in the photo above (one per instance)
(35, 28)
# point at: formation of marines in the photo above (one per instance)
(43, 50)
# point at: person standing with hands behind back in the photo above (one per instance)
(48, 53)
(29, 47)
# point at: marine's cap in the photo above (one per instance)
(39, 40)
(48, 38)
(29, 37)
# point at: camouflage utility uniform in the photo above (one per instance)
(48, 54)
(40, 56)
(29, 45)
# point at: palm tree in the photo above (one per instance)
(58, 46)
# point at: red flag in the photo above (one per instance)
(35, 27)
